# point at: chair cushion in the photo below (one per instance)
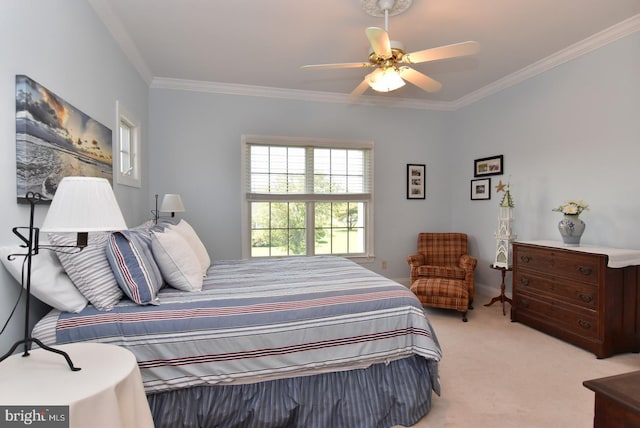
(441, 293)
(450, 272)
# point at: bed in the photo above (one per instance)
(303, 341)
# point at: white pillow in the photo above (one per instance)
(190, 235)
(177, 261)
(49, 282)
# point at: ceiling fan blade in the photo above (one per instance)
(423, 82)
(359, 90)
(379, 40)
(442, 52)
(339, 65)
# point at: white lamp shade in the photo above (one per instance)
(387, 81)
(172, 203)
(84, 204)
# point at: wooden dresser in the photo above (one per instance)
(587, 296)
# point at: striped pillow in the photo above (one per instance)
(89, 269)
(137, 274)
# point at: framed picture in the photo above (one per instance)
(493, 165)
(54, 140)
(481, 189)
(416, 181)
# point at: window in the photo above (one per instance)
(128, 149)
(307, 197)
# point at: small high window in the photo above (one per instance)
(128, 149)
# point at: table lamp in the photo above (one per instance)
(172, 203)
(80, 205)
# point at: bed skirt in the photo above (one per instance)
(383, 395)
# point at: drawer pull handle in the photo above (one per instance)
(584, 324)
(525, 259)
(585, 270)
(585, 297)
(524, 303)
(524, 281)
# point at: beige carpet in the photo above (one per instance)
(495, 373)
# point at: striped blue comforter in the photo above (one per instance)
(257, 320)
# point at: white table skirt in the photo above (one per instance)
(107, 392)
(618, 257)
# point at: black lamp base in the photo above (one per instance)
(32, 247)
(30, 340)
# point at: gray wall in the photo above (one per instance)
(570, 133)
(197, 153)
(63, 46)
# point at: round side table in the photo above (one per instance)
(107, 392)
(502, 297)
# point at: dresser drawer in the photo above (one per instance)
(572, 319)
(577, 266)
(575, 293)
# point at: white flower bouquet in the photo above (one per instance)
(572, 207)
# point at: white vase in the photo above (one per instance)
(571, 228)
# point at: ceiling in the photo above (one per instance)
(259, 45)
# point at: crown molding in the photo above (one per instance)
(598, 40)
(117, 30)
(293, 94)
(122, 38)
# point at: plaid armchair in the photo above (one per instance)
(444, 255)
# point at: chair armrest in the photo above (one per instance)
(468, 263)
(415, 260)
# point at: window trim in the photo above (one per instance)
(247, 198)
(134, 178)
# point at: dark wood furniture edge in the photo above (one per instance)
(623, 389)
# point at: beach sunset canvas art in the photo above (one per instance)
(55, 140)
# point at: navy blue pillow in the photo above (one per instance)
(137, 274)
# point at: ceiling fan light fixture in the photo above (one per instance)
(387, 56)
(386, 81)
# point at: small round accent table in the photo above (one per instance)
(107, 392)
(502, 297)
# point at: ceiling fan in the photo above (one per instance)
(387, 56)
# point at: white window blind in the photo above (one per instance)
(307, 196)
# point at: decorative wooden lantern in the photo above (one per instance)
(504, 235)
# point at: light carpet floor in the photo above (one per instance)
(495, 373)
